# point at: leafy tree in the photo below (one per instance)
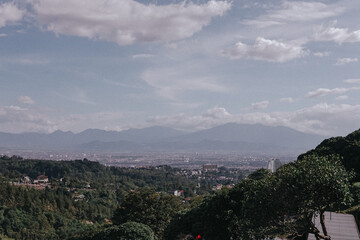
(313, 185)
(148, 207)
(348, 148)
(126, 231)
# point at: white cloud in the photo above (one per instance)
(338, 35)
(106, 120)
(287, 100)
(322, 54)
(216, 113)
(260, 105)
(10, 13)
(296, 11)
(320, 92)
(324, 119)
(26, 100)
(16, 119)
(343, 61)
(352, 80)
(266, 50)
(127, 21)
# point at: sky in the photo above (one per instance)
(190, 65)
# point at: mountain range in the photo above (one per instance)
(229, 137)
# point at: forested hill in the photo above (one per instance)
(79, 173)
(80, 197)
(347, 147)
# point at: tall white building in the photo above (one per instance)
(274, 164)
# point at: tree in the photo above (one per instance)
(312, 185)
(347, 147)
(148, 207)
(126, 231)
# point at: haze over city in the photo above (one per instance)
(188, 65)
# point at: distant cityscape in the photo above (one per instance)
(181, 160)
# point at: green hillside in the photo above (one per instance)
(348, 148)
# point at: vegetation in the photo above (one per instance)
(348, 148)
(126, 231)
(149, 207)
(267, 205)
(85, 199)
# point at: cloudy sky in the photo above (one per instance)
(189, 65)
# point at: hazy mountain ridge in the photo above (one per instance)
(228, 137)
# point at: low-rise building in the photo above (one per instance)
(41, 179)
(210, 167)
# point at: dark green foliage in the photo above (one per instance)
(79, 173)
(26, 213)
(57, 214)
(259, 174)
(346, 147)
(148, 207)
(214, 218)
(126, 231)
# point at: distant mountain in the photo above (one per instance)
(229, 137)
(255, 134)
(60, 140)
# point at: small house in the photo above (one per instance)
(41, 179)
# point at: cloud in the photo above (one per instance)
(343, 61)
(216, 113)
(320, 92)
(260, 105)
(295, 11)
(128, 21)
(338, 35)
(16, 119)
(324, 119)
(105, 120)
(352, 80)
(266, 50)
(287, 100)
(171, 82)
(26, 100)
(10, 13)
(322, 54)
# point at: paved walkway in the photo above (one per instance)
(339, 226)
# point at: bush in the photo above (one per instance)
(126, 231)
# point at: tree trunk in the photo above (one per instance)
(323, 226)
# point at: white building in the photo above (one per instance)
(274, 164)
